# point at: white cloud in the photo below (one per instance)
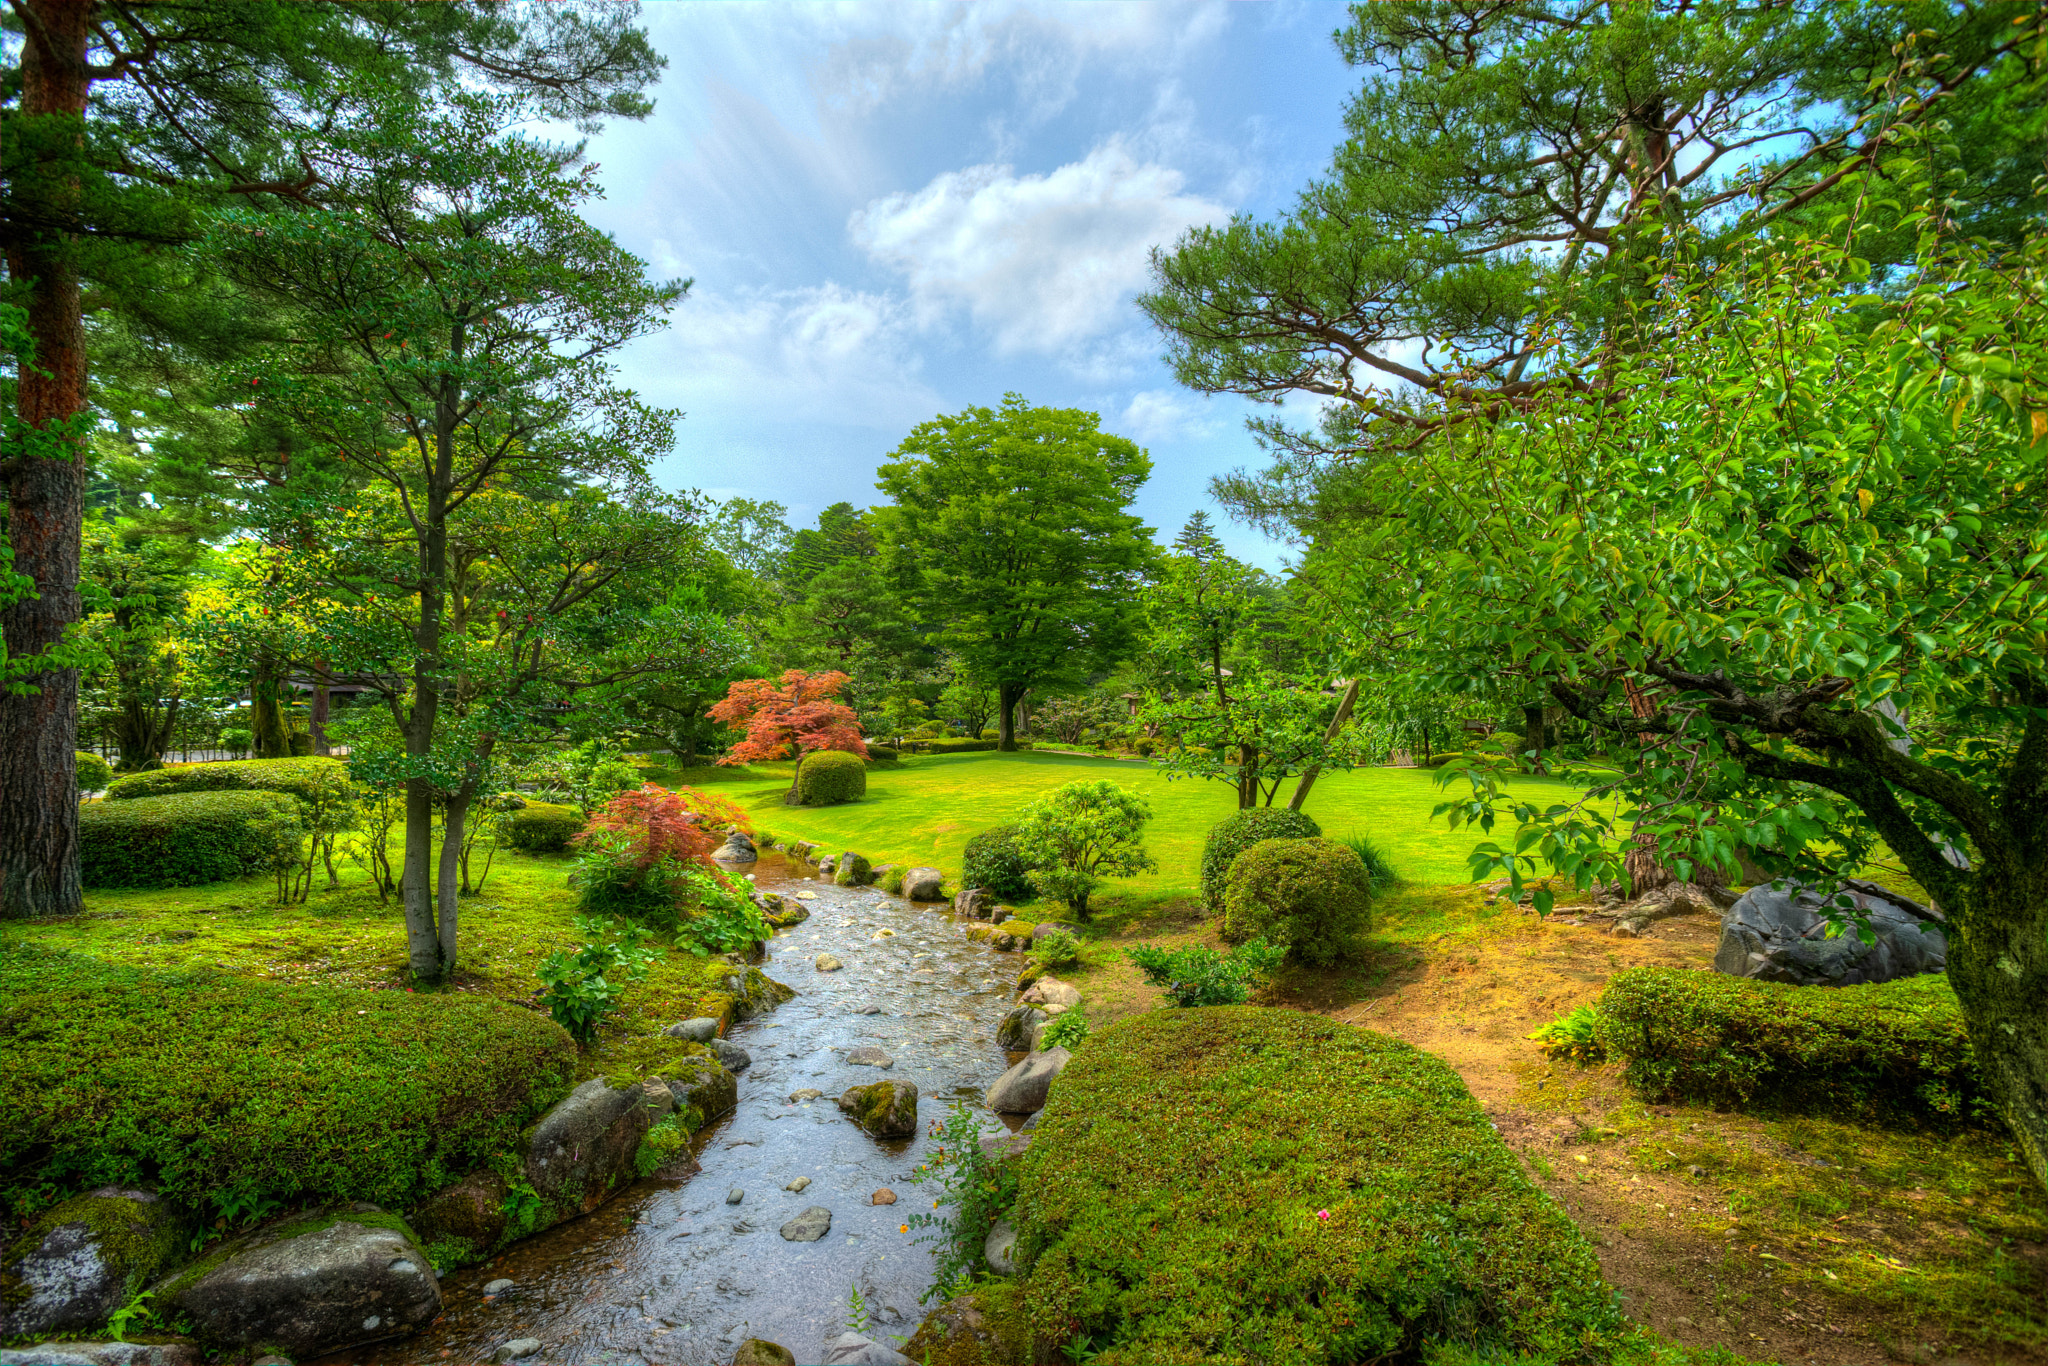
(1045, 263)
(1156, 416)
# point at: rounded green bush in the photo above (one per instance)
(543, 827)
(299, 777)
(993, 863)
(1238, 832)
(829, 777)
(94, 773)
(1309, 896)
(185, 838)
(883, 754)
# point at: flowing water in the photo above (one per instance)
(669, 1274)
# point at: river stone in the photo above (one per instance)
(973, 903)
(790, 914)
(884, 1196)
(102, 1354)
(886, 1109)
(851, 1349)
(518, 1349)
(827, 963)
(1050, 991)
(703, 1029)
(306, 1287)
(582, 1151)
(799, 1185)
(870, 1057)
(736, 849)
(1014, 1033)
(1000, 1247)
(83, 1259)
(825, 864)
(499, 1286)
(734, 1196)
(1777, 933)
(472, 1210)
(735, 1058)
(704, 1085)
(806, 896)
(996, 1147)
(761, 1352)
(808, 1227)
(924, 884)
(852, 870)
(1022, 1089)
(807, 1093)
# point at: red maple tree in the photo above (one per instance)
(666, 824)
(794, 716)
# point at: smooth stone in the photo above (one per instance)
(798, 1185)
(869, 1010)
(735, 1058)
(808, 1227)
(808, 1093)
(761, 1352)
(1022, 1090)
(827, 963)
(497, 1287)
(1014, 1033)
(703, 1029)
(924, 884)
(999, 1146)
(1050, 991)
(1000, 1247)
(870, 1057)
(102, 1354)
(734, 1196)
(884, 1196)
(851, 1349)
(518, 1349)
(806, 896)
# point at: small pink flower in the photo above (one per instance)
(1323, 1214)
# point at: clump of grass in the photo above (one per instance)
(1575, 1036)
(1379, 869)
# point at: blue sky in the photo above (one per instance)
(897, 210)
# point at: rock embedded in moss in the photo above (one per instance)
(760, 1352)
(82, 1260)
(702, 1029)
(1022, 1090)
(471, 1211)
(582, 1151)
(852, 870)
(885, 1109)
(984, 1327)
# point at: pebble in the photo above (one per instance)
(827, 963)
(884, 1196)
(808, 1093)
(869, 1010)
(870, 1057)
(734, 1196)
(806, 896)
(497, 1287)
(798, 1184)
(518, 1348)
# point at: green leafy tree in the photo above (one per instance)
(1012, 532)
(121, 128)
(1080, 833)
(1796, 561)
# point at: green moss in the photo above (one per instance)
(203, 1086)
(1895, 1051)
(452, 1254)
(1311, 897)
(663, 1142)
(1238, 832)
(1169, 1206)
(142, 1238)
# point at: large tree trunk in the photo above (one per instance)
(454, 817)
(1998, 964)
(45, 493)
(1247, 777)
(273, 738)
(422, 934)
(1007, 697)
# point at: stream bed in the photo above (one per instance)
(669, 1274)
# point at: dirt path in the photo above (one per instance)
(1799, 1241)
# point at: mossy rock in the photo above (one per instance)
(471, 1212)
(986, 1327)
(885, 1109)
(852, 870)
(1170, 1205)
(88, 1255)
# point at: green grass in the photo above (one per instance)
(923, 811)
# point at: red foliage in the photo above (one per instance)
(664, 824)
(795, 717)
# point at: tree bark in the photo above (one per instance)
(454, 816)
(1308, 778)
(1998, 964)
(1007, 697)
(272, 737)
(317, 718)
(422, 936)
(46, 505)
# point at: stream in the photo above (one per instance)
(669, 1274)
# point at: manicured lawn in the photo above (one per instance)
(924, 810)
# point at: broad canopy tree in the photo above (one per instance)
(1011, 528)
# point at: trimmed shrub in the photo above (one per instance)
(1891, 1051)
(94, 773)
(993, 861)
(543, 828)
(961, 746)
(1311, 897)
(1238, 832)
(829, 777)
(300, 777)
(883, 754)
(214, 1089)
(186, 838)
(1173, 1205)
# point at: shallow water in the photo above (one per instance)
(668, 1274)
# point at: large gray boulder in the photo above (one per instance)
(924, 884)
(82, 1260)
(582, 1151)
(306, 1287)
(102, 1354)
(1014, 1033)
(852, 1349)
(702, 1029)
(736, 849)
(1779, 933)
(974, 903)
(1022, 1090)
(1050, 991)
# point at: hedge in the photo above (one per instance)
(1311, 897)
(1888, 1051)
(1172, 1205)
(829, 777)
(296, 776)
(962, 746)
(883, 754)
(185, 839)
(543, 828)
(1238, 832)
(992, 861)
(209, 1087)
(94, 773)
